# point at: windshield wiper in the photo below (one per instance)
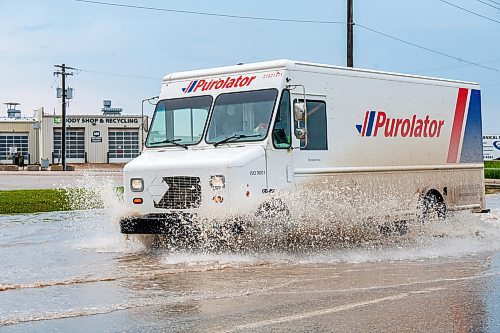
(174, 141)
(233, 137)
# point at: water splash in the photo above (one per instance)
(99, 201)
(331, 217)
(463, 234)
(315, 239)
(340, 220)
(90, 191)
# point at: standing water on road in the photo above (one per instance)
(74, 271)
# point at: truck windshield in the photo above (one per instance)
(241, 116)
(179, 122)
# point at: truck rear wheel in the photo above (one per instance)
(431, 208)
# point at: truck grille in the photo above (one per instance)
(184, 192)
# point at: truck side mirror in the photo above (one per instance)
(299, 111)
(300, 133)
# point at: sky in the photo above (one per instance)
(123, 53)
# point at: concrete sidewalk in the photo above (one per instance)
(24, 180)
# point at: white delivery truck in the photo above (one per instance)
(224, 141)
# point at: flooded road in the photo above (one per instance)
(74, 272)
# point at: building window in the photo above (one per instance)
(75, 143)
(123, 143)
(13, 143)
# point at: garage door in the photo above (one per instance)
(13, 142)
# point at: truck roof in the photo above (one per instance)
(295, 65)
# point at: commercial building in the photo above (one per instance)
(491, 147)
(106, 138)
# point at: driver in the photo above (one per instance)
(230, 121)
(261, 128)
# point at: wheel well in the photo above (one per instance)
(431, 201)
(434, 193)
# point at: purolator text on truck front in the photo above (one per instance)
(224, 142)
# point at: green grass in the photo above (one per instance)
(492, 164)
(31, 201)
(492, 169)
(50, 200)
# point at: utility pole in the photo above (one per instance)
(63, 74)
(350, 35)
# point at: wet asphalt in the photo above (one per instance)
(74, 272)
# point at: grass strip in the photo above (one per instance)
(33, 201)
(492, 169)
(50, 200)
(492, 164)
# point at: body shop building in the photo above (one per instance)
(107, 138)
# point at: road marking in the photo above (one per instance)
(322, 312)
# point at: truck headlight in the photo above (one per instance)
(217, 181)
(137, 184)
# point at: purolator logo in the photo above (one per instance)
(223, 83)
(377, 123)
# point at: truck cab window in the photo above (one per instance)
(317, 138)
(282, 129)
(179, 121)
(243, 116)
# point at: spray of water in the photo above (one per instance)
(96, 195)
(336, 220)
(332, 218)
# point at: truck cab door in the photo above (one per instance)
(279, 152)
(310, 136)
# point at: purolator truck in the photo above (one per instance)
(225, 141)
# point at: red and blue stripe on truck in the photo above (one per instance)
(469, 137)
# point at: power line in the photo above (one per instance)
(289, 20)
(444, 68)
(207, 13)
(428, 49)
(119, 75)
(488, 4)
(49, 90)
(470, 11)
(497, 3)
(80, 70)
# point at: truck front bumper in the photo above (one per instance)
(156, 223)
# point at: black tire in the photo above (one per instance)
(431, 208)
